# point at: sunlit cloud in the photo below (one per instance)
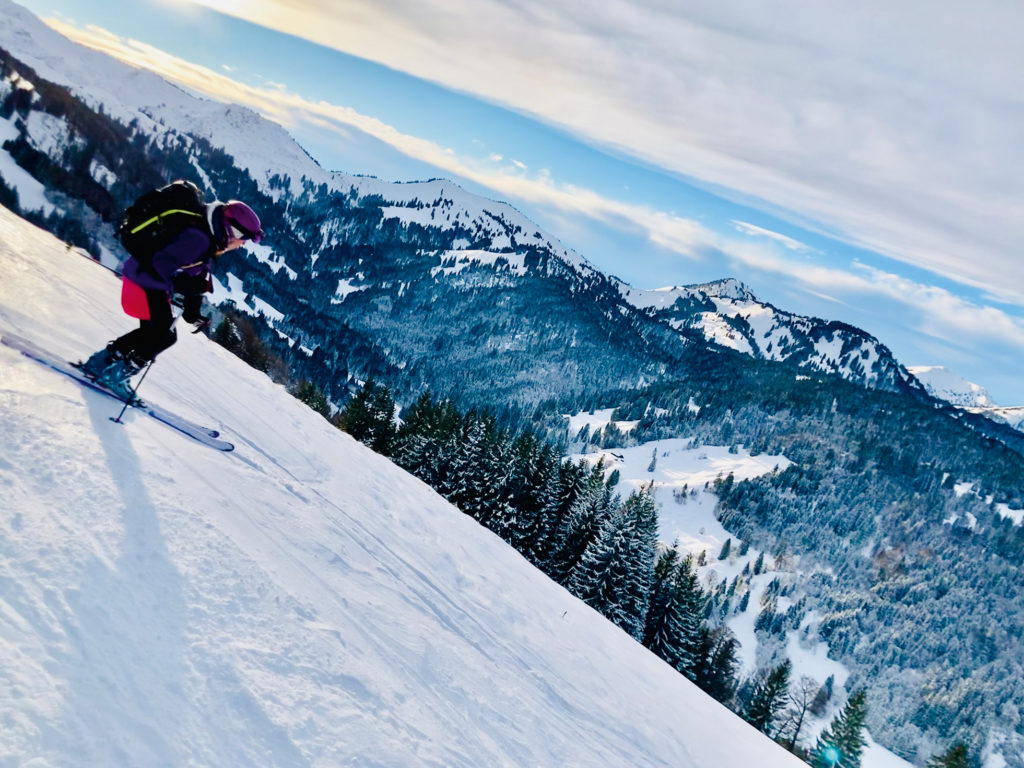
(937, 312)
(945, 315)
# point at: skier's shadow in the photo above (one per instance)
(129, 645)
(127, 624)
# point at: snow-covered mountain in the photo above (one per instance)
(949, 386)
(443, 217)
(728, 313)
(300, 601)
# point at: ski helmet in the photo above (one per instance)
(240, 221)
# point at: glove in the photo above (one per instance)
(202, 324)
(187, 284)
(190, 313)
(190, 306)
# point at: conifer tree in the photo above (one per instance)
(416, 436)
(309, 393)
(537, 530)
(356, 419)
(956, 757)
(615, 572)
(673, 624)
(842, 743)
(657, 631)
(767, 697)
(579, 526)
(759, 564)
(717, 662)
(569, 484)
(382, 416)
(726, 549)
(527, 484)
(744, 602)
(823, 696)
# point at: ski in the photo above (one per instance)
(199, 433)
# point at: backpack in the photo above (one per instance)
(159, 216)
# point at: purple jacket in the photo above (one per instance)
(186, 257)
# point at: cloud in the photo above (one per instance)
(788, 242)
(945, 315)
(896, 127)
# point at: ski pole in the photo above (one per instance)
(131, 399)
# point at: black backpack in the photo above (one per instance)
(159, 216)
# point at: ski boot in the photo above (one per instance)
(112, 369)
(97, 363)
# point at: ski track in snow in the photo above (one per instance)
(298, 602)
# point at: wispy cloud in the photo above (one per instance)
(897, 127)
(788, 242)
(945, 315)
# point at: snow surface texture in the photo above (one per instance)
(299, 602)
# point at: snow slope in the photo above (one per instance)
(682, 475)
(298, 602)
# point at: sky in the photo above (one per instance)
(851, 161)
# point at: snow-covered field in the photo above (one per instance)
(683, 475)
(300, 601)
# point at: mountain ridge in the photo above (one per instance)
(948, 386)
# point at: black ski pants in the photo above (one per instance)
(152, 336)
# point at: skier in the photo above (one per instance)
(183, 267)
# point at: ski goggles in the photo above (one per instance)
(238, 233)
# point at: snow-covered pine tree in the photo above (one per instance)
(581, 524)
(355, 419)
(767, 698)
(673, 628)
(535, 530)
(615, 572)
(956, 757)
(843, 741)
(492, 483)
(658, 631)
(370, 417)
(416, 440)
